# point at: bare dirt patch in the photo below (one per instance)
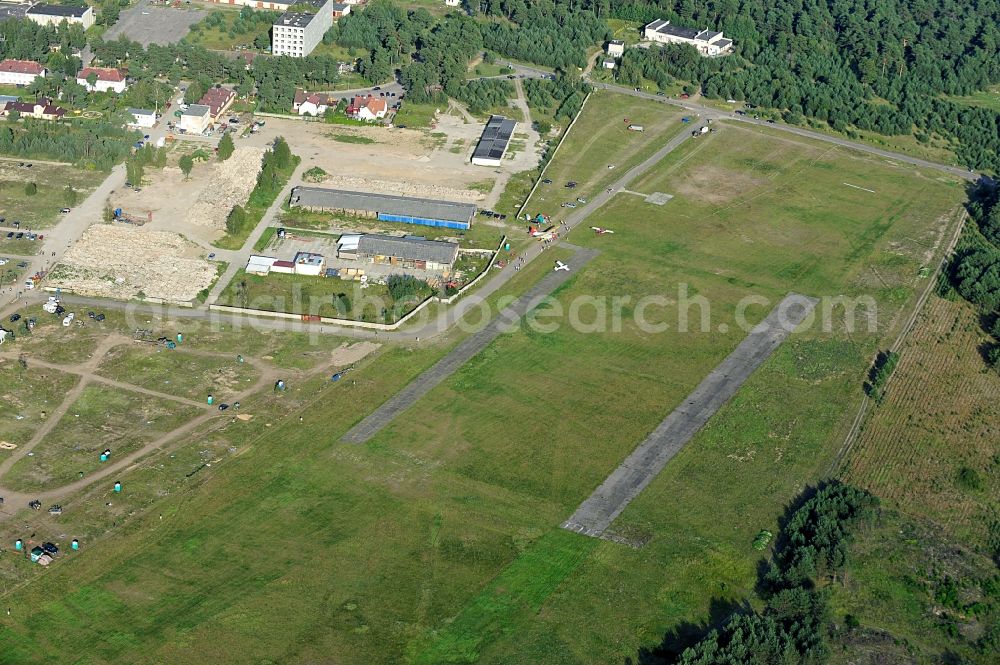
(348, 354)
(214, 187)
(715, 184)
(119, 262)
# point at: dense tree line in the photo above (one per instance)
(561, 97)
(793, 624)
(841, 61)
(98, 145)
(433, 55)
(482, 95)
(26, 40)
(975, 269)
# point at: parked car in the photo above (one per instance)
(64, 210)
(15, 317)
(568, 205)
(234, 121)
(19, 235)
(10, 234)
(547, 182)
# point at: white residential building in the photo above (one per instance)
(107, 79)
(142, 118)
(196, 119)
(707, 42)
(20, 72)
(453, 3)
(616, 48)
(296, 34)
(56, 14)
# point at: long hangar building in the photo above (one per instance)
(386, 207)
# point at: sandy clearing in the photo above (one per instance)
(123, 262)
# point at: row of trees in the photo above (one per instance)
(792, 627)
(98, 145)
(975, 268)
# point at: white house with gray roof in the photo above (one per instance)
(707, 42)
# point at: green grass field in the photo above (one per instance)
(102, 417)
(176, 372)
(41, 210)
(437, 541)
(600, 138)
(27, 394)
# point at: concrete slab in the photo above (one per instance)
(658, 198)
(600, 509)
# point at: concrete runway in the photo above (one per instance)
(600, 509)
(465, 351)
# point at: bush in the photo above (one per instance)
(878, 377)
(969, 479)
(31, 189)
(402, 287)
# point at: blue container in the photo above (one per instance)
(210, 400)
(18, 545)
(118, 487)
(104, 458)
(75, 544)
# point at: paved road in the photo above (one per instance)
(715, 114)
(465, 351)
(238, 259)
(600, 509)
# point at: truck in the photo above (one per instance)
(636, 128)
(126, 218)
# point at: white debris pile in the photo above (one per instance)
(123, 262)
(229, 184)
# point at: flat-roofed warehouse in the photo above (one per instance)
(386, 207)
(493, 143)
(408, 252)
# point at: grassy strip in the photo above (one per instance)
(256, 206)
(516, 593)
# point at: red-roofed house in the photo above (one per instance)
(314, 104)
(20, 72)
(367, 108)
(107, 79)
(218, 100)
(42, 109)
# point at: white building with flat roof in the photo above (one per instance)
(707, 42)
(56, 14)
(142, 117)
(297, 34)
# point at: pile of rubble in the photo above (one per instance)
(403, 189)
(229, 184)
(120, 262)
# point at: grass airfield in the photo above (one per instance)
(438, 540)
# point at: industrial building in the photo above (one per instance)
(56, 14)
(408, 252)
(386, 207)
(297, 34)
(493, 142)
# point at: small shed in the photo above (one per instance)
(609, 64)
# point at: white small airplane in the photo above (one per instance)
(547, 234)
(599, 230)
(561, 266)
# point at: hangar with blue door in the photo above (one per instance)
(385, 207)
